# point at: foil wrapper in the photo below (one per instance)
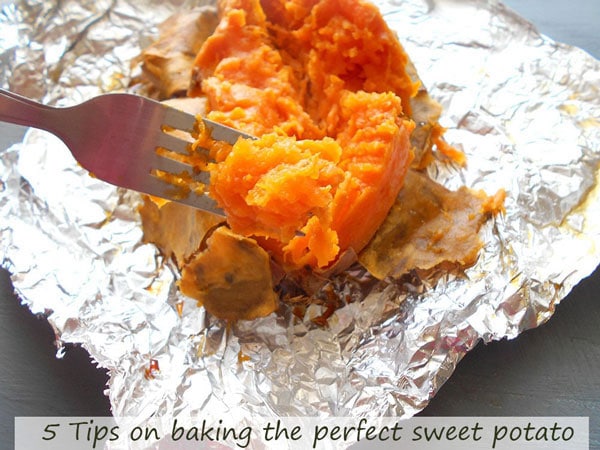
(524, 109)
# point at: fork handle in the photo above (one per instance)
(20, 110)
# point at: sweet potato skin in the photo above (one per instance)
(231, 278)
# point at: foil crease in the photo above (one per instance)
(524, 109)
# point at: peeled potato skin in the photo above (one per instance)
(231, 278)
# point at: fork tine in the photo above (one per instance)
(166, 164)
(160, 188)
(221, 132)
(188, 122)
(179, 119)
(174, 144)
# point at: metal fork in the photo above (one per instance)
(121, 138)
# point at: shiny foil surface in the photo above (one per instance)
(524, 109)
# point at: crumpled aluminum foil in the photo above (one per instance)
(525, 110)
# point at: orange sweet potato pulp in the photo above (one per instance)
(246, 81)
(324, 87)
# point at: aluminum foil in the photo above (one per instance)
(524, 109)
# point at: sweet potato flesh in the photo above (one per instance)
(329, 92)
(321, 84)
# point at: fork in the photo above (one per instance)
(125, 140)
